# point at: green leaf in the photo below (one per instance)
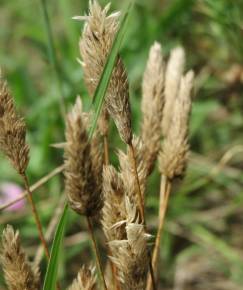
(100, 91)
(51, 274)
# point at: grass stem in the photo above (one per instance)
(165, 189)
(138, 188)
(35, 215)
(141, 207)
(52, 56)
(96, 251)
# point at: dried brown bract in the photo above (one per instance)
(83, 192)
(95, 45)
(12, 131)
(152, 105)
(126, 170)
(114, 204)
(175, 148)
(18, 272)
(131, 254)
(86, 279)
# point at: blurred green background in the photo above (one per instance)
(202, 245)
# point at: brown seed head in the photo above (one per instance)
(83, 192)
(114, 204)
(126, 170)
(152, 105)
(95, 45)
(12, 131)
(18, 272)
(86, 279)
(175, 148)
(131, 254)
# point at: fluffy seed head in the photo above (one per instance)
(152, 105)
(131, 254)
(95, 45)
(126, 170)
(18, 272)
(175, 148)
(83, 192)
(12, 131)
(173, 76)
(114, 204)
(86, 279)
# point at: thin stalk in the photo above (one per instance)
(96, 251)
(106, 162)
(36, 216)
(138, 188)
(106, 150)
(165, 189)
(34, 187)
(141, 206)
(52, 56)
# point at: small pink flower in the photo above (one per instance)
(10, 191)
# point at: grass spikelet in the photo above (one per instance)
(83, 192)
(127, 171)
(18, 272)
(174, 153)
(86, 279)
(173, 76)
(13, 144)
(152, 105)
(131, 254)
(12, 131)
(95, 45)
(114, 204)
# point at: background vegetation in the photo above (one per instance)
(204, 230)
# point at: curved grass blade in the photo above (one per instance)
(51, 274)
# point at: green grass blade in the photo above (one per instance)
(51, 274)
(53, 57)
(100, 91)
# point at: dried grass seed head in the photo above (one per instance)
(175, 148)
(152, 104)
(114, 204)
(86, 279)
(126, 170)
(174, 71)
(18, 272)
(83, 192)
(95, 45)
(131, 254)
(12, 131)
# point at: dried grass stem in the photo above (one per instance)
(35, 214)
(96, 251)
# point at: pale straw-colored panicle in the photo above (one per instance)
(114, 204)
(85, 280)
(97, 157)
(126, 170)
(174, 72)
(152, 105)
(130, 255)
(95, 45)
(18, 272)
(83, 193)
(12, 131)
(175, 148)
